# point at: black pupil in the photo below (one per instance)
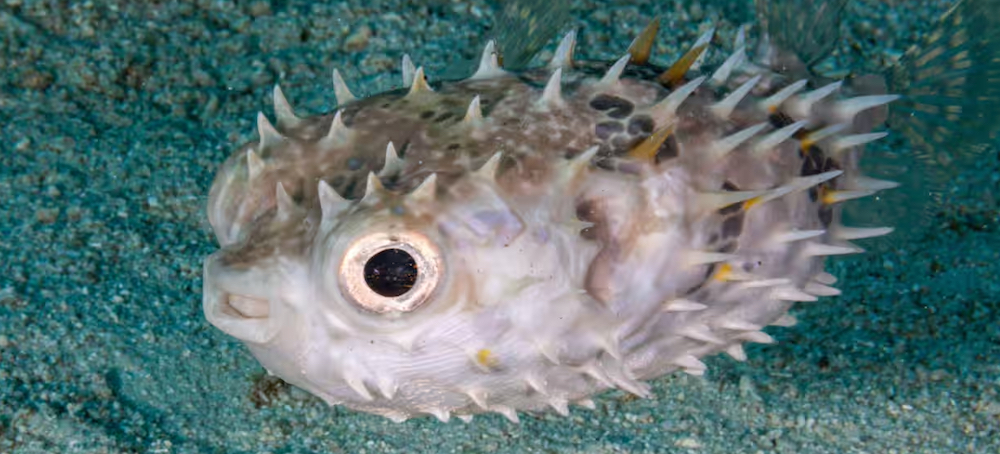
(391, 272)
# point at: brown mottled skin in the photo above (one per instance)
(428, 133)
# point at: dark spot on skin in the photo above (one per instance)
(349, 187)
(444, 117)
(391, 182)
(348, 113)
(605, 164)
(603, 151)
(426, 114)
(750, 266)
(593, 69)
(586, 211)
(401, 151)
(812, 164)
(830, 164)
(623, 144)
(780, 120)
(826, 212)
(354, 164)
(814, 161)
(734, 208)
(826, 215)
(616, 107)
(605, 130)
(640, 125)
(622, 112)
(708, 275)
(668, 150)
(729, 209)
(732, 226)
(728, 247)
(645, 72)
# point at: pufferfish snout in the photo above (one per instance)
(521, 241)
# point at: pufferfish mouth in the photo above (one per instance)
(243, 306)
(240, 315)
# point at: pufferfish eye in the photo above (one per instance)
(390, 272)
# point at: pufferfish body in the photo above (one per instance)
(521, 241)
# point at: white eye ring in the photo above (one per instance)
(426, 263)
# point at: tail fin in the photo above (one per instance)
(951, 83)
(950, 112)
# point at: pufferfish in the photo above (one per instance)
(516, 242)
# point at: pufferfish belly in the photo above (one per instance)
(521, 241)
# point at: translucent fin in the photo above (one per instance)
(951, 83)
(525, 26)
(950, 88)
(809, 29)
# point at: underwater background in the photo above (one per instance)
(116, 114)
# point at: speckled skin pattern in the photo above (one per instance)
(577, 227)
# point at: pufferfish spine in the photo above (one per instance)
(520, 242)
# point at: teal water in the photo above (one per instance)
(115, 115)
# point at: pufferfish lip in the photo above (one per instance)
(240, 314)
